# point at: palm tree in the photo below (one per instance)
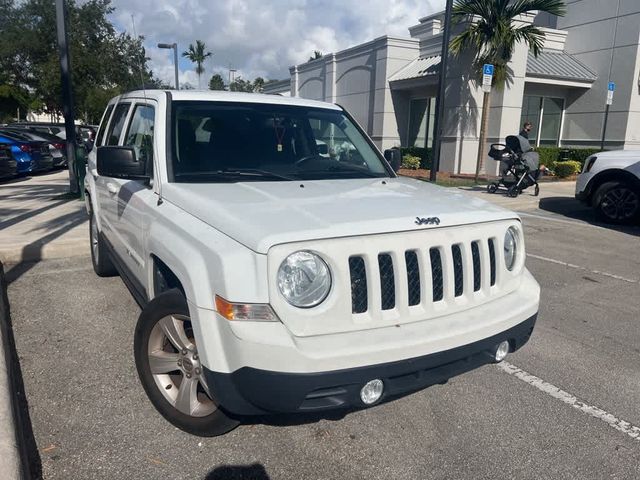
(491, 36)
(316, 55)
(197, 55)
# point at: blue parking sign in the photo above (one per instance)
(487, 69)
(612, 86)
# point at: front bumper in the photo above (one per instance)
(583, 189)
(251, 391)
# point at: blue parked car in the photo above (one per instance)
(8, 166)
(32, 156)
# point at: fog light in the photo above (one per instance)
(501, 351)
(372, 391)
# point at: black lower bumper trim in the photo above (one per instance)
(251, 391)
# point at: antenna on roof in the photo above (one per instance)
(144, 94)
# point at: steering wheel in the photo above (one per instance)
(303, 160)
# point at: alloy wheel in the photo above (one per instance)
(176, 368)
(620, 203)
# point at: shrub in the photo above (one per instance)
(423, 153)
(568, 168)
(411, 162)
(550, 155)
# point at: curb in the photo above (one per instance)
(10, 463)
(36, 252)
(13, 458)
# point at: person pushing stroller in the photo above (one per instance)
(519, 164)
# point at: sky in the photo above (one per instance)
(261, 38)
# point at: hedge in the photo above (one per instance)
(423, 153)
(550, 156)
(568, 168)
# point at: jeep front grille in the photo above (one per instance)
(445, 274)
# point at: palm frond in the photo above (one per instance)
(531, 35)
(554, 7)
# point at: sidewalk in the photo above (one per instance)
(526, 200)
(40, 220)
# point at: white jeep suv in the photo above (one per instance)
(282, 266)
(610, 182)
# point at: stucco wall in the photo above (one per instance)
(604, 35)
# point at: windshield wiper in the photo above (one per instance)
(227, 174)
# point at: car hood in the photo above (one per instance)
(262, 214)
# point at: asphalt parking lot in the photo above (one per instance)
(565, 406)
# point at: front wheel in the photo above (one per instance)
(492, 188)
(170, 371)
(617, 202)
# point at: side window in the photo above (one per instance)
(140, 132)
(103, 125)
(117, 123)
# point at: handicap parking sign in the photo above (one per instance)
(487, 69)
(612, 86)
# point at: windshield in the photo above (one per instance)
(231, 142)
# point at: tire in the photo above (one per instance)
(513, 192)
(536, 191)
(176, 387)
(492, 188)
(100, 259)
(617, 202)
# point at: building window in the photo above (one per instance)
(421, 118)
(545, 115)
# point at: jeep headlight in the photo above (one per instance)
(510, 247)
(304, 279)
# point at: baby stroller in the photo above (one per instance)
(519, 166)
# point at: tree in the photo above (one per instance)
(491, 36)
(240, 85)
(105, 63)
(216, 82)
(197, 54)
(258, 84)
(316, 55)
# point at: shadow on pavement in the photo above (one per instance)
(30, 457)
(574, 209)
(255, 471)
(33, 251)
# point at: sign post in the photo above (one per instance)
(610, 89)
(487, 77)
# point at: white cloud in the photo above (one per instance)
(262, 38)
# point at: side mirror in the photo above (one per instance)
(120, 162)
(323, 148)
(394, 157)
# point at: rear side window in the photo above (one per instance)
(140, 132)
(103, 125)
(117, 123)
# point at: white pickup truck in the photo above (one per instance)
(282, 266)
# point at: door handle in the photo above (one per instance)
(113, 189)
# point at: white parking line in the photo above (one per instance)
(578, 267)
(553, 391)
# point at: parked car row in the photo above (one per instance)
(37, 147)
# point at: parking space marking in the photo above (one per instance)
(578, 267)
(555, 392)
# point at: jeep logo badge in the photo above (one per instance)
(427, 221)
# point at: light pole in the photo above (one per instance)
(439, 120)
(174, 46)
(67, 94)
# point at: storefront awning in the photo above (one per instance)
(422, 67)
(549, 67)
(558, 65)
